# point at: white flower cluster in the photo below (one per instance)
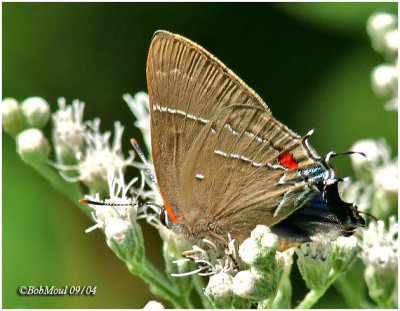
(254, 276)
(380, 256)
(118, 212)
(68, 131)
(377, 179)
(379, 245)
(82, 150)
(83, 154)
(88, 154)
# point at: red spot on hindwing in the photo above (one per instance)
(168, 208)
(170, 213)
(286, 160)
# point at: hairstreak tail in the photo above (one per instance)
(224, 164)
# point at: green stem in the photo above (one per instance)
(199, 287)
(313, 295)
(352, 293)
(158, 284)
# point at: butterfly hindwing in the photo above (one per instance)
(232, 173)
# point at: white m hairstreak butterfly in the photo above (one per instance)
(224, 164)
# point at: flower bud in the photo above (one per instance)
(259, 250)
(36, 111)
(378, 25)
(117, 229)
(391, 40)
(384, 80)
(255, 286)
(126, 241)
(33, 147)
(153, 305)
(244, 283)
(12, 117)
(118, 219)
(219, 290)
(315, 262)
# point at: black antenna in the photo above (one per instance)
(369, 215)
(86, 201)
(108, 204)
(348, 153)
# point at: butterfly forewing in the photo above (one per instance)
(187, 87)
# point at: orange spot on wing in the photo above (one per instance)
(286, 159)
(170, 213)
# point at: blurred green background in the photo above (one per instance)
(310, 62)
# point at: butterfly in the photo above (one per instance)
(224, 164)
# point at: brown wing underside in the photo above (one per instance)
(184, 77)
(195, 109)
(230, 179)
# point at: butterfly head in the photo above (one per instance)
(344, 217)
(347, 213)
